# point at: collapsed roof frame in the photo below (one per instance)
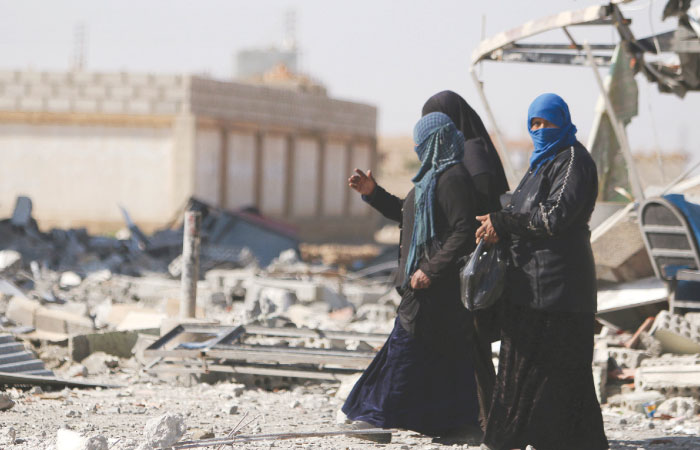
(506, 47)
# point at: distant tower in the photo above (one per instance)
(80, 37)
(290, 30)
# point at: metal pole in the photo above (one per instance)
(510, 173)
(680, 178)
(190, 264)
(618, 128)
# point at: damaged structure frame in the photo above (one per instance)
(205, 348)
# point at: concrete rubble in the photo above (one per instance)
(90, 308)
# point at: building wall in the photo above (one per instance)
(77, 174)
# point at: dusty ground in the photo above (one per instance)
(120, 414)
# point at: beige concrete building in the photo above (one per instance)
(80, 144)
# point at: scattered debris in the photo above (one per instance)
(164, 431)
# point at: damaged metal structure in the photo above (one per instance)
(258, 350)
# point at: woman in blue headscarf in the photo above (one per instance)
(423, 377)
(544, 393)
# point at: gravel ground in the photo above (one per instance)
(120, 415)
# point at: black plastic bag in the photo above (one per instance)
(483, 278)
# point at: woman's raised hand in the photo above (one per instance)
(362, 183)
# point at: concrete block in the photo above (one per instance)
(173, 93)
(166, 107)
(31, 104)
(55, 321)
(627, 358)
(93, 91)
(58, 104)
(650, 344)
(86, 105)
(22, 311)
(68, 91)
(672, 375)
(121, 92)
(112, 106)
(8, 104)
(685, 407)
(635, 401)
(8, 76)
(14, 90)
(84, 77)
(117, 343)
(138, 107)
(40, 90)
(676, 334)
(148, 93)
(141, 320)
(600, 381)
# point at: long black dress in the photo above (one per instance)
(486, 171)
(544, 394)
(423, 377)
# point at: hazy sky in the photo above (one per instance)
(388, 53)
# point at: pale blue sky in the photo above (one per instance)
(388, 53)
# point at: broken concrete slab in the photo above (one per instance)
(618, 248)
(676, 334)
(628, 305)
(10, 261)
(22, 310)
(116, 343)
(62, 322)
(671, 375)
(141, 321)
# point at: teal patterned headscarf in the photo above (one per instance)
(439, 145)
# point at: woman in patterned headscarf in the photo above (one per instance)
(423, 377)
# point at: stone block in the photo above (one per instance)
(676, 334)
(121, 92)
(22, 311)
(86, 105)
(138, 107)
(93, 91)
(55, 321)
(166, 107)
(627, 358)
(31, 104)
(117, 343)
(112, 106)
(58, 105)
(8, 103)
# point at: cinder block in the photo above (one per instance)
(635, 401)
(94, 91)
(676, 334)
(117, 343)
(85, 105)
(163, 107)
(173, 93)
(112, 106)
(8, 104)
(148, 92)
(627, 358)
(55, 321)
(22, 311)
(40, 90)
(58, 104)
(121, 92)
(84, 77)
(8, 76)
(672, 375)
(31, 104)
(68, 91)
(685, 407)
(138, 106)
(14, 90)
